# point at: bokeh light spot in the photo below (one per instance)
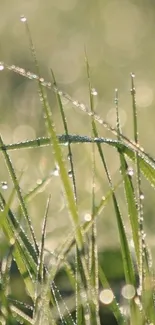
(106, 296)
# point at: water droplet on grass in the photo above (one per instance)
(142, 196)
(55, 172)
(23, 19)
(130, 171)
(70, 173)
(4, 185)
(1, 66)
(94, 92)
(87, 217)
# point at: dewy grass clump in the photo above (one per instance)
(88, 297)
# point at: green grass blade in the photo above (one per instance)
(18, 191)
(113, 306)
(21, 246)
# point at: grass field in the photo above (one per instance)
(76, 197)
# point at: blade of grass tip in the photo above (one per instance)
(57, 150)
(128, 186)
(127, 261)
(132, 210)
(59, 159)
(138, 183)
(94, 285)
(18, 191)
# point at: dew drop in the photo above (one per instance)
(41, 79)
(23, 19)
(130, 171)
(87, 217)
(1, 66)
(65, 143)
(76, 103)
(68, 157)
(132, 75)
(142, 196)
(70, 173)
(55, 172)
(4, 185)
(94, 92)
(39, 181)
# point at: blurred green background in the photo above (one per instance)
(119, 38)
